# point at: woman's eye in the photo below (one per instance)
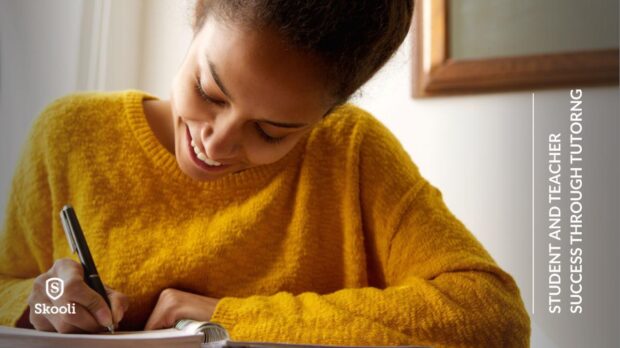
(268, 138)
(201, 93)
(205, 97)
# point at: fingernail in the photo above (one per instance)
(104, 317)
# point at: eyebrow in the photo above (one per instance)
(219, 83)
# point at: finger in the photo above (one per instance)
(78, 291)
(40, 322)
(162, 313)
(156, 320)
(81, 319)
(152, 323)
(76, 316)
(120, 304)
(38, 293)
(64, 327)
(66, 269)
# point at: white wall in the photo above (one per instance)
(39, 50)
(49, 49)
(167, 36)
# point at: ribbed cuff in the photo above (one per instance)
(224, 314)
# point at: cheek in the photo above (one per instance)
(181, 98)
(185, 103)
(183, 93)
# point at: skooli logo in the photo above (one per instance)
(54, 287)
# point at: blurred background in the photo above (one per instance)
(476, 148)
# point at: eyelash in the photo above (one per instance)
(268, 138)
(201, 94)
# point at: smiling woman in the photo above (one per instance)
(255, 197)
(244, 97)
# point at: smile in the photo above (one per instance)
(200, 159)
(201, 156)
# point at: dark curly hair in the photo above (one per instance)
(352, 38)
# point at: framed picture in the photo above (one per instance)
(474, 46)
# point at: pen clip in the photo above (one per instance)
(64, 219)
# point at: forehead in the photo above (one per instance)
(261, 72)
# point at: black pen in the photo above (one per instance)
(77, 242)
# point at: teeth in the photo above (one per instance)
(209, 162)
(201, 156)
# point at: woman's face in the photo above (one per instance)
(242, 99)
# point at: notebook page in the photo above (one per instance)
(17, 337)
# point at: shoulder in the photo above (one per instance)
(80, 113)
(355, 128)
(381, 154)
(352, 137)
(336, 140)
(78, 107)
(349, 124)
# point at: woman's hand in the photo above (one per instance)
(174, 305)
(91, 312)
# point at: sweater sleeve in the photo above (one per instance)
(26, 238)
(431, 282)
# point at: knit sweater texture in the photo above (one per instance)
(340, 242)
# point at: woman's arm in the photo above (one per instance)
(432, 282)
(442, 289)
(28, 236)
(25, 238)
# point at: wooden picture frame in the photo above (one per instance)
(435, 73)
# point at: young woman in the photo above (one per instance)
(255, 197)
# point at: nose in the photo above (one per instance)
(221, 140)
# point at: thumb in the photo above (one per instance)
(99, 308)
(119, 303)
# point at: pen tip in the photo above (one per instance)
(111, 328)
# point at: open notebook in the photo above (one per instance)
(186, 334)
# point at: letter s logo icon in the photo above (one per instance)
(54, 287)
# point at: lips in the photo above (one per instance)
(201, 156)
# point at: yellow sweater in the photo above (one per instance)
(341, 242)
